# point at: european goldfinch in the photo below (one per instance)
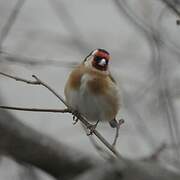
(92, 91)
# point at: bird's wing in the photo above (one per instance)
(112, 78)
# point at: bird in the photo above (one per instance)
(92, 91)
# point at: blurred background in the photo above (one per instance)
(49, 37)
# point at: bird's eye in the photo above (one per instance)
(97, 58)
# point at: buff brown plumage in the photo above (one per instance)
(91, 90)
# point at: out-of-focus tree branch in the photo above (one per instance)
(134, 170)
(68, 21)
(31, 61)
(172, 5)
(62, 162)
(10, 21)
(149, 35)
(27, 145)
(154, 39)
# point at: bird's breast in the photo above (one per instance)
(96, 97)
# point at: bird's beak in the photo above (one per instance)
(102, 62)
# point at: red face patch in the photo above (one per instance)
(102, 55)
(101, 59)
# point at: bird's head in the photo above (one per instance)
(98, 59)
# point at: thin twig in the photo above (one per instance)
(20, 79)
(36, 109)
(79, 116)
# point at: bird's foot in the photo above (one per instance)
(120, 122)
(117, 126)
(91, 128)
(75, 117)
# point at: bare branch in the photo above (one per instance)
(20, 79)
(36, 109)
(79, 116)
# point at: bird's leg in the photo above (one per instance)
(92, 127)
(117, 125)
(75, 116)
